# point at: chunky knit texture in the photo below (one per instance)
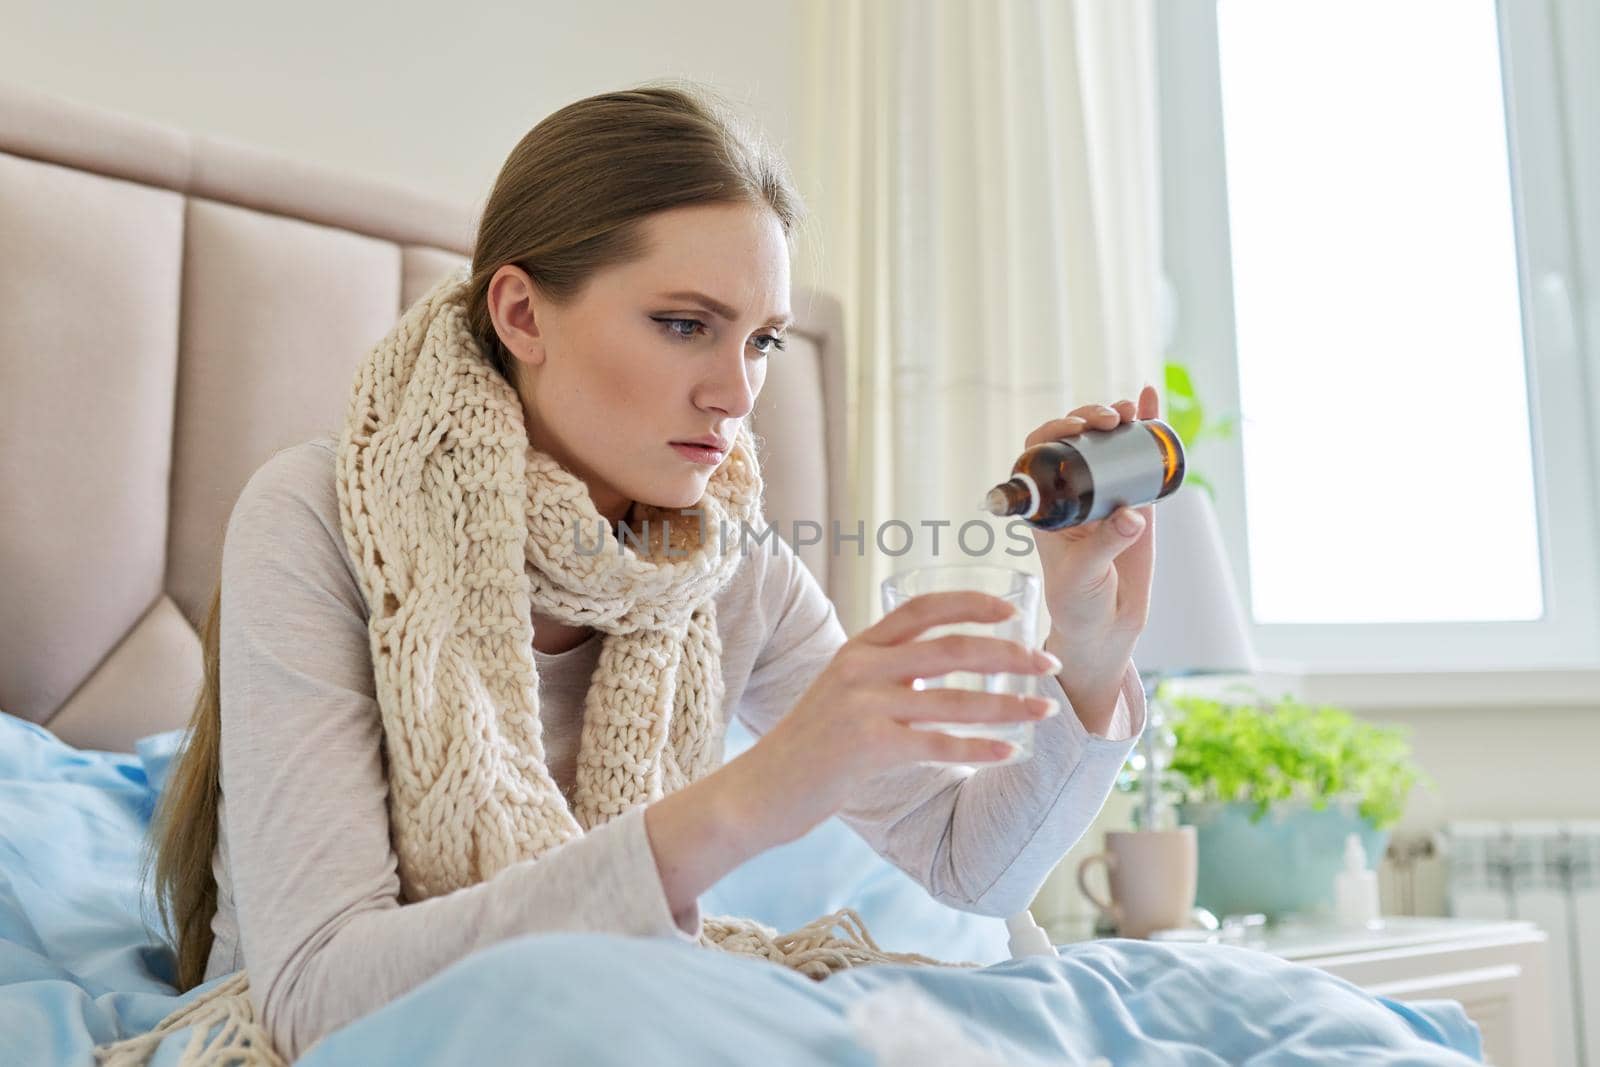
(461, 530)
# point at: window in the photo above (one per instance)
(1370, 243)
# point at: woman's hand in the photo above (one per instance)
(1097, 577)
(853, 721)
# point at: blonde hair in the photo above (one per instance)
(569, 201)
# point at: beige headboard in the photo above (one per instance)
(173, 309)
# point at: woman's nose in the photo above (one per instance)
(730, 387)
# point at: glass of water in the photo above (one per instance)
(1019, 588)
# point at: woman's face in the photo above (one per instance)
(668, 348)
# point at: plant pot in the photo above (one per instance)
(1283, 865)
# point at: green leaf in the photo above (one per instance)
(1185, 419)
(1179, 384)
(1264, 752)
(1225, 426)
(1186, 415)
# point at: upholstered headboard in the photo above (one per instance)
(174, 309)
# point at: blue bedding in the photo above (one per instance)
(78, 967)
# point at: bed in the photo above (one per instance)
(175, 308)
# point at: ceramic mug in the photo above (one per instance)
(1152, 878)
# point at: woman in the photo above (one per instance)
(436, 717)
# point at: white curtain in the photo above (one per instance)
(982, 180)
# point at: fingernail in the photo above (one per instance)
(1129, 522)
(1048, 660)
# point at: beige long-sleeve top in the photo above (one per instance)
(309, 896)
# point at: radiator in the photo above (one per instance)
(1547, 872)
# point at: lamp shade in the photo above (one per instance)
(1196, 623)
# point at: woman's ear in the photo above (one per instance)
(513, 298)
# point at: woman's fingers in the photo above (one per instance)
(1094, 417)
(934, 656)
(939, 747)
(963, 705)
(1100, 416)
(935, 609)
(1055, 430)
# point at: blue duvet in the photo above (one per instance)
(78, 967)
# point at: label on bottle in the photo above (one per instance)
(1125, 465)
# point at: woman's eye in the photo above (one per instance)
(672, 326)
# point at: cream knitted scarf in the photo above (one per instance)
(460, 530)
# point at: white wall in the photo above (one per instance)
(428, 95)
(1526, 762)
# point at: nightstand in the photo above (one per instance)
(1496, 969)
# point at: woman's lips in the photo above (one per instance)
(699, 454)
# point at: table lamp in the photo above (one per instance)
(1196, 625)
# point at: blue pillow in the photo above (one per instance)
(155, 753)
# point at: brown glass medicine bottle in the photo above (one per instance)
(1088, 476)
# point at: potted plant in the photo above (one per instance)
(1273, 788)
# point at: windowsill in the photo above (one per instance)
(1422, 690)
